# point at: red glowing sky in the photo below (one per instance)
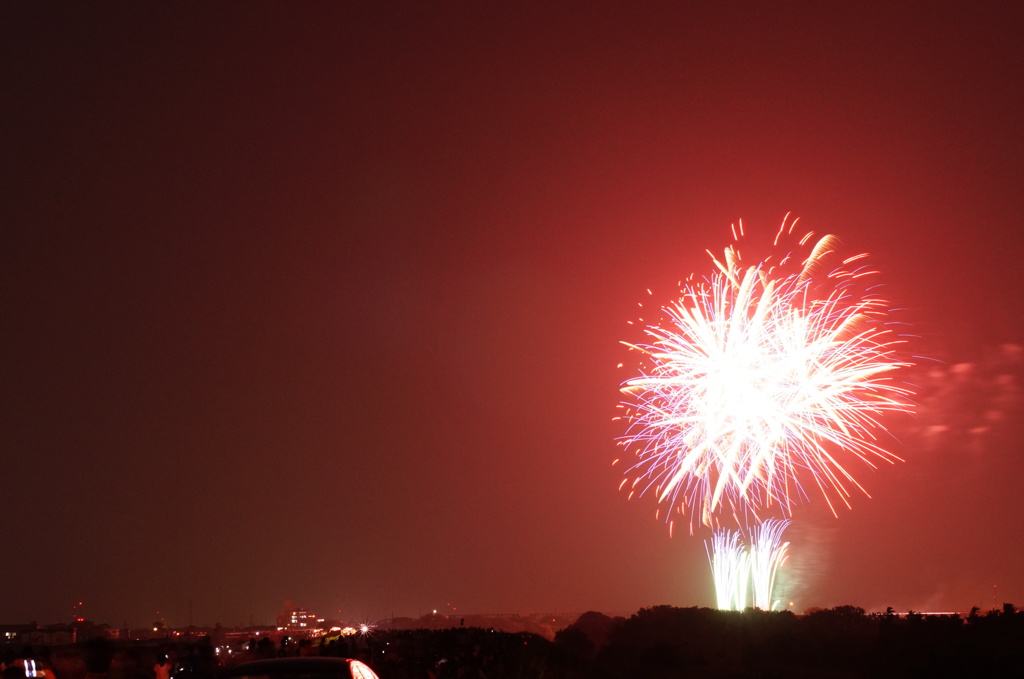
(325, 303)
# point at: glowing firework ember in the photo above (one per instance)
(759, 379)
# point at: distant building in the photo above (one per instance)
(36, 635)
(299, 621)
(12, 633)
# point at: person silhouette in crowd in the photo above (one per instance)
(162, 668)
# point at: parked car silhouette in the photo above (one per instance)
(301, 668)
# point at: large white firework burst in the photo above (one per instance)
(760, 378)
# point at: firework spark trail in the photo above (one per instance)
(767, 554)
(760, 378)
(740, 570)
(730, 569)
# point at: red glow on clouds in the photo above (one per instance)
(324, 302)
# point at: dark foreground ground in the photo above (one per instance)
(653, 643)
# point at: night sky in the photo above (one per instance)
(325, 301)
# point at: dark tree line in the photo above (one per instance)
(838, 642)
(665, 642)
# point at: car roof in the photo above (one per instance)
(290, 666)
